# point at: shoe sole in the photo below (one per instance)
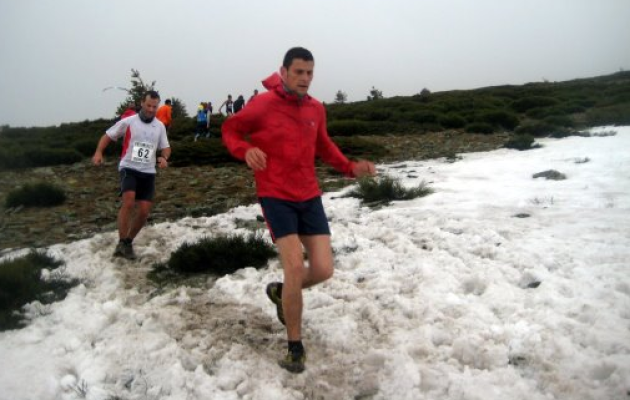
(279, 311)
(292, 367)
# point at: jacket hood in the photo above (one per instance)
(274, 83)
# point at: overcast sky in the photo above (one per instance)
(56, 56)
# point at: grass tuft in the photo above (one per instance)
(383, 190)
(41, 194)
(220, 255)
(21, 283)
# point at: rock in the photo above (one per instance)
(550, 174)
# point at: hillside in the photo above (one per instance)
(205, 179)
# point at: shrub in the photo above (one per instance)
(501, 118)
(452, 121)
(48, 157)
(423, 117)
(612, 115)
(347, 128)
(376, 115)
(356, 147)
(41, 194)
(13, 159)
(527, 103)
(520, 142)
(182, 127)
(537, 129)
(479, 127)
(217, 256)
(560, 120)
(21, 283)
(202, 152)
(381, 191)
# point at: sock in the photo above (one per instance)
(296, 347)
(126, 240)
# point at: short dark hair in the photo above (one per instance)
(152, 94)
(168, 101)
(296, 52)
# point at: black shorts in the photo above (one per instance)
(140, 182)
(289, 217)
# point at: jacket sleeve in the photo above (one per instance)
(328, 151)
(237, 127)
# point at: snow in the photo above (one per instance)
(432, 298)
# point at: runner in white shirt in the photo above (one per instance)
(144, 135)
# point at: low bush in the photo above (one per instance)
(479, 127)
(452, 121)
(21, 283)
(520, 142)
(13, 159)
(613, 115)
(423, 117)
(526, 103)
(500, 118)
(218, 256)
(357, 147)
(537, 129)
(348, 128)
(203, 152)
(383, 190)
(41, 194)
(50, 157)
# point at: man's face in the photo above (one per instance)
(298, 76)
(149, 106)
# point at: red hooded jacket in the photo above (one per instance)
(292, 132)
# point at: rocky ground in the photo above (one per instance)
(92, 202)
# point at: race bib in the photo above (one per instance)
(142, 152)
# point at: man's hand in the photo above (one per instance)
(97, 159)
(256, 159)
(162, 162)
(363, 168)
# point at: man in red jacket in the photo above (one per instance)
(278, 135)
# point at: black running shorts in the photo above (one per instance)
(289, 217)
(140, 182)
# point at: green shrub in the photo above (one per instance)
(612, 115)
(376, 115)
(423, 117)
(41, 194)
(347, 128)
(452, 121)
(49, 157)
(527, 103)
(21, 283)
(203, 152)
(560, 120)
(220, 255)
(520, 142)
(537, 129)
(356, 147)
(85, 147)
(479, 127)
(382, 190)
(13, 159)
(503, 119)
(182, 127)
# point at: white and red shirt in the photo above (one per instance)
(141, 142)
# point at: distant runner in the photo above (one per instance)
(229, 106)
(143, 136)
(278, 136)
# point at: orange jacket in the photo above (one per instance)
(164, 115)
